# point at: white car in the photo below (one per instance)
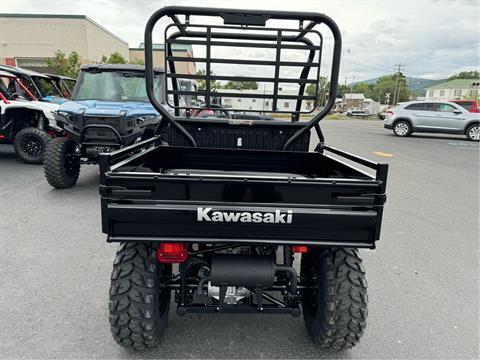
(25, 122)
(433, 117)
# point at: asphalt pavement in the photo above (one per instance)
(423, 277)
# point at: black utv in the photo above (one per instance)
(109, 110)
(223, 215)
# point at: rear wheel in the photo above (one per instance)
(138, 306)
(30, 144)
(61, 164)
(402, 128)
(335, 309)
(473, 132)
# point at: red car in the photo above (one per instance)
(470, 105)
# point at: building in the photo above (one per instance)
(181, 67)
(372, 106)
(27, 40)
(456, 89)
(353, 101)
(263, 105)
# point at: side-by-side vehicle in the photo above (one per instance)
(109, 110)
(25, 122)
(255, 221)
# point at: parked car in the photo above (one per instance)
(25, 122)
(435, 117)
(470, 105)
(358, 113)
(40, 85)
(109, 110)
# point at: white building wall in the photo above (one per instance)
(446, 94)
(263, 105)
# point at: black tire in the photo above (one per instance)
(30, 144)
(473, 132)
(335, 313)
(61, 165)
(138, 307)
(402, 128)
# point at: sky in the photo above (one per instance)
(434, 39)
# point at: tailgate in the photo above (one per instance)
(324, 212)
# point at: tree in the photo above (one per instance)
(65, 65)
(322, 95)
(241, 85)
(214, 84)
(115, 58)
(474, 74)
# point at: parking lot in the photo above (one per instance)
(423, 277)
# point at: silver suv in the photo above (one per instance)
(435, 117)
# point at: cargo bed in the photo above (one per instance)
(154, 192)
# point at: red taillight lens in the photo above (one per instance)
(299, 249)
(389, 112)
(2, 137)
(172, 253)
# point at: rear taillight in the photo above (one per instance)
(172, 253)
(390, 112)
(2, 137)
(299, 249)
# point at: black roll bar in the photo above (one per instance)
(244, 18)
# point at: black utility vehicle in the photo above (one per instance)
(232, 201)
(109, 110)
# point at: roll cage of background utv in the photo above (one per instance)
(231, 201)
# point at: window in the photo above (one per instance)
(442, 92)
(457, 93)
(443, 108)
(430, 93)
(46, 86)
(418, 106)
(286, 104)
(116, 86)
(466, 104)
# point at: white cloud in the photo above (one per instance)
(433, 38)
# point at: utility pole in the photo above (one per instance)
(396, 92)
(351, 90)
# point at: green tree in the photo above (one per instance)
(214, 84)
(241, 85)
(323, 86)
(474, 74)
(65, 65)
(115, 58)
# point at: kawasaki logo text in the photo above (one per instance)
(273, 217)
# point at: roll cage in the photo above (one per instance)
(250, 29)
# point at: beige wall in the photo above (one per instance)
(159, 60)
(40, 37)
(32, 37)
(101, 43)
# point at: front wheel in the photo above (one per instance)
(402, 128)
(138, 305)
(61, 164)
(473, 132)
(30, 144)
(335, 307)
